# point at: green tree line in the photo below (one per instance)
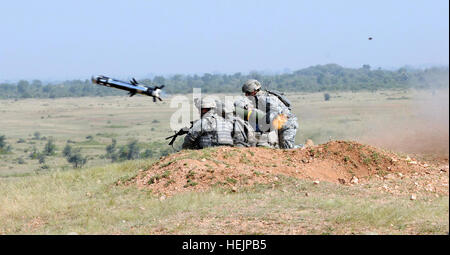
(330, 77)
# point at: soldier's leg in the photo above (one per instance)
(287, 134)
(287, 138)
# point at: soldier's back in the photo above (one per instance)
(210, 130)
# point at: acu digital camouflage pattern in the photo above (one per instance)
(211, 130)
(242, 132)
(273, 106)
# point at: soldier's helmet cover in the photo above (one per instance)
(251, 85)
(208, 103)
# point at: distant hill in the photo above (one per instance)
(330, 77)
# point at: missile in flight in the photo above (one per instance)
(133, 87)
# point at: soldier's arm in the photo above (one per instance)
(188, 143)
(276, 107)
(243, 103)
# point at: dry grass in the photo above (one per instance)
(88, 202)
(74, 119)
(403, 125)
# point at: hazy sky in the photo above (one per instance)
(53, 40)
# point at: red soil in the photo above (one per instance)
(336, 161)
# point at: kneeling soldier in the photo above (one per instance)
(211, 130)
(276, 111)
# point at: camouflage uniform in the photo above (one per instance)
(273, 107)
(242, 133)
(262, 139)
(211, 130)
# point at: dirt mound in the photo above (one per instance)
(341, 162)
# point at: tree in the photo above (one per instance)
(2, 141)
(112, 147)
(50, 148)
(41, 158)
(36, 83)
(159, 80)
(76, 158)
(330, 77)
(67, 150)
(133, 150)
(22, 86)
(20, 161)
(366, 67)
(34, 153)
(125, 152)
(4, 147)
(111, 150)
(36, 135)
(148, 153)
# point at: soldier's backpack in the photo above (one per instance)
(246, 131)
(281, 96)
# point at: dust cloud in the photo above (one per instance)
(423, 129)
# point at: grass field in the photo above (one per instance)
(89, 202)
(395, 119)
(75, 119)
(62, 200)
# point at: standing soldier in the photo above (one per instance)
(211, 130)
(276, 113)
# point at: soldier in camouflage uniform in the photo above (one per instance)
(242, 133)
(261, 139)
(278, 116)
(211, 130)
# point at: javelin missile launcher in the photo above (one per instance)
(133, 87)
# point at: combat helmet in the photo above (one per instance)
(250, 86)
(207, 103)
